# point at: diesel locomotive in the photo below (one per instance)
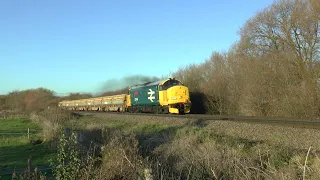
(167, 96)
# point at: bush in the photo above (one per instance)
(51, 121)
(121, 157)
(70, 164)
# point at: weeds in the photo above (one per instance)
(29, 174)
(69, 164)
(51, 121)
(121, 158)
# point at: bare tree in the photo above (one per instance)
(215, 82)
(286, 26)
(30, 100)
(2, 102)
(191, 76)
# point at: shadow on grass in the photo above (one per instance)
(148, 136)
(151, 136)
(151, 140)
(199, 123)
(15, 157)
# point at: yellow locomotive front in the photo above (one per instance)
(175, 95)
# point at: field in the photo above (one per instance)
(16, 148)
(112, 146)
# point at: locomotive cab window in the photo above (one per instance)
(169, 84)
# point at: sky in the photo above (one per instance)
(76, 45)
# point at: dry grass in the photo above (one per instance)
(196, 154)
(296, 138)
(51, 121)
(174, 148)
(121, 158)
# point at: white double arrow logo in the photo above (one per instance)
(151, 93)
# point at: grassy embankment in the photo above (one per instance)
(134, 147)
(182, 148)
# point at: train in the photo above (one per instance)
(167, 96)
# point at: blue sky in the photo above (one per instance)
(75, 46)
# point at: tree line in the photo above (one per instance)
(273, 70)
(34, 100)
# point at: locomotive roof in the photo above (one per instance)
(147, 84)
(151, 83)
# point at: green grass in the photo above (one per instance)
(15, 149)
(17, 125)
(16, 155)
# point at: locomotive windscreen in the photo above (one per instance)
(169, 84)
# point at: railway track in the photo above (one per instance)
(277, 121)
